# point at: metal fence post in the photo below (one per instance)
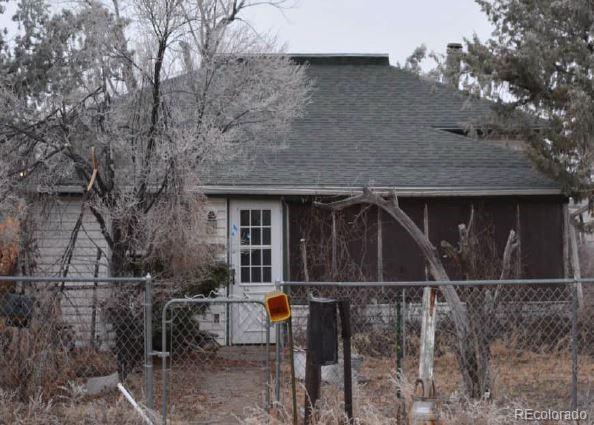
(268, 377)
(277, 357)
(399, 337)
(574, 344)
(148, 342)
(402, 343)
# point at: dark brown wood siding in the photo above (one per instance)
(403, 260)
(540, 228)
(542, 238)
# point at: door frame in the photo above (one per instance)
(255, 291)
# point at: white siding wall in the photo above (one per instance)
(54, 232)
(219, 230)
(215, 319)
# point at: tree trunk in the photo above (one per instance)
(458, 310)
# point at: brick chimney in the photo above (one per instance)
(452, 65)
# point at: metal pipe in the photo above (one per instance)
(399, 338)
(27, 279)
(164, 372)
(422, 284)
(574, 343)
(277, 365)
(292, 364)
(344, 307)
(403, 344)
(134, 404)
(148, 342)
(267, 396)
(277, 359)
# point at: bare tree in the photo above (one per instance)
(467, 317)
(141, 98)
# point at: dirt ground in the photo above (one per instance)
(229, 387)
(217, 390)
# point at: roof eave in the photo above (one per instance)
(346, 190)
(403, 191)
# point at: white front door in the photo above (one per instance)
(256, 257)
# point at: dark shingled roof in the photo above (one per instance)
(371, 124)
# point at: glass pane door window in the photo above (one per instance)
(256, 245)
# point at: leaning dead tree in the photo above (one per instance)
(472, 356)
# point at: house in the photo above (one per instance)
(372, 125)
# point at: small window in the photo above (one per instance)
(255, 234)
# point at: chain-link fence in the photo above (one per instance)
(528, 344)
(218, 360)
(71, 334)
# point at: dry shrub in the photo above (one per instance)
(9, 252)
(480, 412)
(38, 356)
(456, 410)
(329, 411)
(89, 362)
(9, 245)
(586, 325)
(375, 342)
(37, 411)
(35, 357)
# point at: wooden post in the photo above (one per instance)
(423, 411)
(334, 246)
(94, 302)
(428, 340)
(322, 348)
(426, 232)
(380, 247)
(399, 343)
(345, 319)
(519, 249)
(575, 264)
(304, 259)
(313, 382)
(566, 260)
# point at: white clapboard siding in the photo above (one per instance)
(55, 224)
(55, 227)
(53, 234)
(214, 320)
(218, 232)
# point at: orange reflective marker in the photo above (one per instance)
(277, 306)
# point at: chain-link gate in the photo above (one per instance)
(205, 378)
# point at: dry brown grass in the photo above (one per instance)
(114, 410)
(34, 359)
(522, 379)
(40, 359)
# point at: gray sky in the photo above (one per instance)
(365, 26)
(372, 26)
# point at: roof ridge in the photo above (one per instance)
(341, 58)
